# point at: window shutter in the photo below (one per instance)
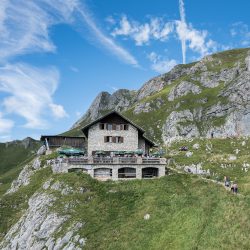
(105, 138)
(113, 139)
(113, 126)
(121, 140)
(100, 126)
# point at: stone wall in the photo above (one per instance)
(115, 168)
(96, 139)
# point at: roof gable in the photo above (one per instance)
(103, 118)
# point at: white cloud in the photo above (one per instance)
(108, 43)
(241, 31)
(24, 27)
(161, 65)
(157, 29)
(142, 33)
(29, 93)
(196, 40)
(58, 111)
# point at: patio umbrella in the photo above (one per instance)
(71, 151)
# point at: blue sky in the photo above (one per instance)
(57, 55)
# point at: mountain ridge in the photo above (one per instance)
(192, 100)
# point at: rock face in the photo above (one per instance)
(104, 102)
(24, 177)
(178, 125)
(37, 227)
(183, 89)
(211, 96)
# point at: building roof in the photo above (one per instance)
(86, 128)
(61, 136)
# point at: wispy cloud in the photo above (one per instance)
(160, 64)
(107, 42)
(182, 26)
(158, 29)
(29, 93)
(142, 33)
(241, 31)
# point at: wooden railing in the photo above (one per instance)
(78, 161)
(127, 160)
(151, 161)
(107, 160)
(100, 160)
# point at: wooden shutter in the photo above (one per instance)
(121, 140)
(105, 139)
(113, 139)
(113, 126)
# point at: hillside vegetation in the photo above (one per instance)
(14, 155)
(185, 211)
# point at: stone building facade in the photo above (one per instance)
(114, 132)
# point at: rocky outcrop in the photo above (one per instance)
(40, 227)
(36, 228)
(183, 89)
(179, 124)
(24, 177)
(104, 102)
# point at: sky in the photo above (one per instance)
(57, 55)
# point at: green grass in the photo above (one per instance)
(12, 206)
(186, 213)
(217, 159)
(13, 157)
(14, 153)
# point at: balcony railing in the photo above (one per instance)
(107, 160)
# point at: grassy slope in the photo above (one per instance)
(186, 212)
(217, 159)
(13, 158)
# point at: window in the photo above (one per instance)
(119, 139)
(107, 138)
(113, 139)
(109, 126)
(124, 126)
(102, 126)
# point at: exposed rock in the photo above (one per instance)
(146, 216)
(142, 107)
(189, 154)
(22, 180)
(119, 100)
(183, 89)
(196, 169)
(36, 163)
(174, 129)
(36, 228)
(232, 158)
(196, 146)
(41, 150)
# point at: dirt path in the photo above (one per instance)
(203, 178)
